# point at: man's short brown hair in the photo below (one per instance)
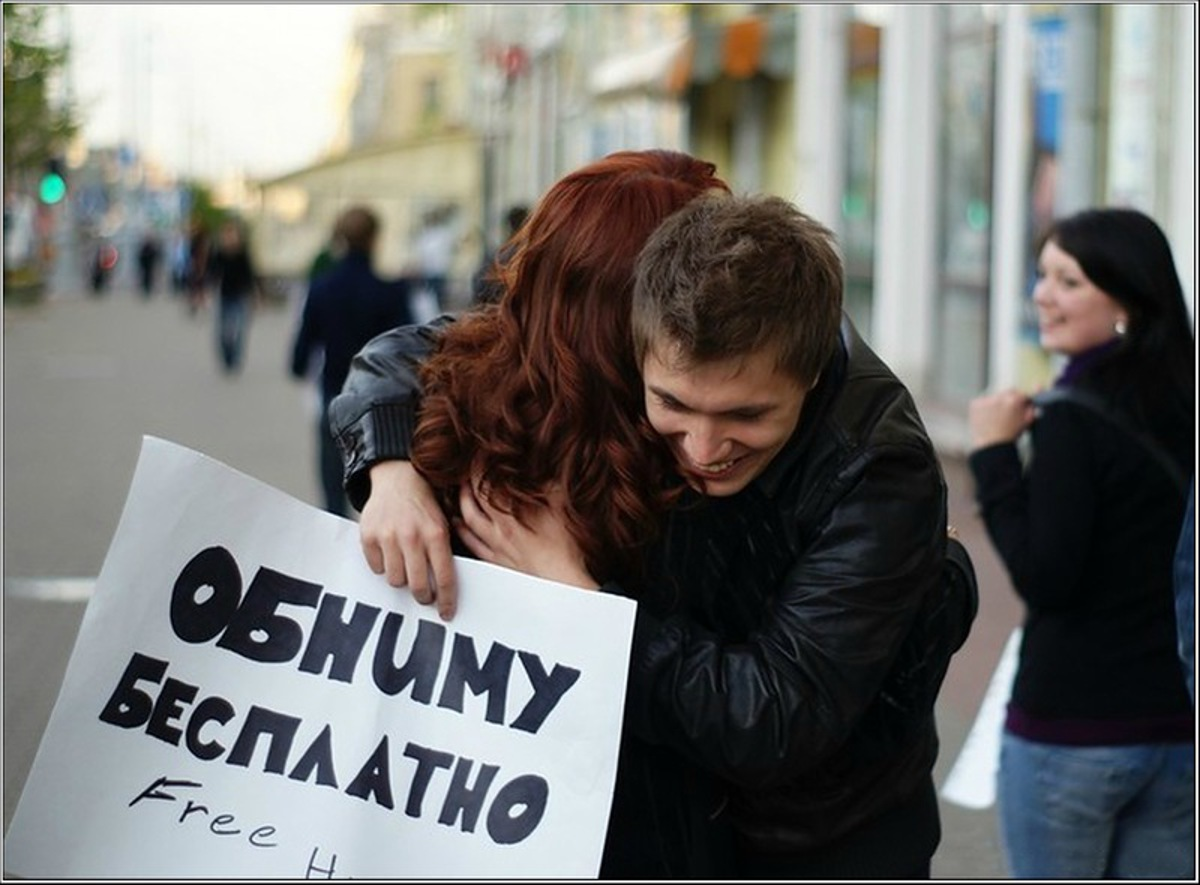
(357, 228)
(727, 276)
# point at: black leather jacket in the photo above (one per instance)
(797, 634)
(374, 416)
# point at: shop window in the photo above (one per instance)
(859, 196)
(965, 205)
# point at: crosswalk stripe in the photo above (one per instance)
(50, 589)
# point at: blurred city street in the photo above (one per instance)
(85, 377)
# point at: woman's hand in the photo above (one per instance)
(999, 417)
(405, 535)
(542, 547)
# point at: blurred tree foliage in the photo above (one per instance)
(34, 129)
(203, 211)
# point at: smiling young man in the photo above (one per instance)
(797, 617)
(799, 623)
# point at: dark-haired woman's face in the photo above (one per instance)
(1074, 315)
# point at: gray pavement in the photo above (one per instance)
(85, 378)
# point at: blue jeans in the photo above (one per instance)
(1097, 812)
(233, 314)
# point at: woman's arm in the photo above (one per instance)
(403, 532)
(1041, 519)
(374, 416)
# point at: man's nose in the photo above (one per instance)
(704, 443)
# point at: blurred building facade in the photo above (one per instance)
(406, 146)
(934, 140)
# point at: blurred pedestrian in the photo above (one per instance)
(232, 272)
(179, 262)
(104, 261)
(435, 245)
(1097, 763)
(485, 284)
(347, 306)
(199, 248)
(149, 253)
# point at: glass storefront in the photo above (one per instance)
(1047, 81)
(858, 201)
(959, 360)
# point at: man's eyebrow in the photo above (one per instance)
(744, 408)
(663, 394)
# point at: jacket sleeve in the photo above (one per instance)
(1041, 520)
(374, 416)
(776, 704)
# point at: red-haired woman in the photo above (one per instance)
(531, 396)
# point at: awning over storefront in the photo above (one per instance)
(739, 49)
(658, 70)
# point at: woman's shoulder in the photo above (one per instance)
(1074, 411)
(1086, 424)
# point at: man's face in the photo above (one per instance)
(725, 421)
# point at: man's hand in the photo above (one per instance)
(542, 547)
(405, 535)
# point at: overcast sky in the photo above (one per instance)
(211, 88)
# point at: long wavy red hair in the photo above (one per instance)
(541, 389)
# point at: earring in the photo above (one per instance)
(1120, 327)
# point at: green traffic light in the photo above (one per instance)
(52, 188)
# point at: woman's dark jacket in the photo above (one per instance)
(1087, 531)
(799, 631)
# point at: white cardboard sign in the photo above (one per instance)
(246, 699)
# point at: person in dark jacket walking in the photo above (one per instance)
(797, 612)
(149, 254)
(347, 306)
(197, 267)
(232, 268)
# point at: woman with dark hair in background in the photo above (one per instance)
(1097, 759)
